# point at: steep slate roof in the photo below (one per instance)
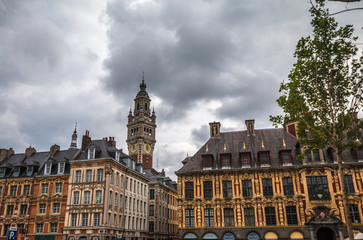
(103, 150)
(237, 142)
(59, 156)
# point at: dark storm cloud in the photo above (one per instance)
(201, 51)
(200, 135)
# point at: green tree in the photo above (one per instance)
(324, 90)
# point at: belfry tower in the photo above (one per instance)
(141, 129)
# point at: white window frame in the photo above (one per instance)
(45, 187)
(53, 227)
(98, 199)
(56, 207)
(87, 197)
(75, 197)
(96, 219)
(39, 228)
(42, 208)
(91, 153)
(88, 175)
(61, 167)
(47, 168)
(58, 187)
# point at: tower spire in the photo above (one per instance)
(74, 138)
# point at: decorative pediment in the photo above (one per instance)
(323, 215)
(247, 176)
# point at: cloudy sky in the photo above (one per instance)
(63, 62)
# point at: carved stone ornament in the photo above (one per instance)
(323, 215)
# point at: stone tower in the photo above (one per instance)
(141, 129)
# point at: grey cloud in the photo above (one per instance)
(200, 135)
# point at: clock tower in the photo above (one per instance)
(141, 129)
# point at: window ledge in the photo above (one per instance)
(265, 165)
(207, 168)
(287, 164)
(226, 167)
(246, 166)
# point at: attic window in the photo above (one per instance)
(225, 160)
(91, 153)
(264, 158)
(2, 172)
(285, 156)
(246, 158)
(16, 172)
(117, 156)
(360, 153)
(61, 167)
(29, 170)
(207, 161)
(48, 168)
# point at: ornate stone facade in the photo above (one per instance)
(250, 185)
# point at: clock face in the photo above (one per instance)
(147, 148)
(133, 148)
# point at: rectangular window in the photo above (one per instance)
(26, 189)
(228, 217)
(98, 196)
(99, 175)
(207, 161)
(61, 167)
(110, 198)
(96, 219)
(91, 153)
(245, 159)
(291, 215)
(360, 153)
(209, 217)
(116, 200)
(45, 188)
(286, 156)
(1, 190)
(10, 210)
(74, 219)
(84, 219)
(39, 228)
(225, 160)
(58, 187)
(270, 216)
(189, 217)
(189, 190)
(13, 190)
(318, 188)
(53, 227)
(42, 208)
(48, 168)
(76, 198)
(227, 189)
(87, 197)
(2, 172)
(117, 179)
(349, 185)
(264, 158)
(151, 210)
(288, 186)
(29, 171)
(151, 226)
(23, 209)
(208, 189)
(316, 155)
(89, 175)
(16, 172)
(249, 216)
(78, 176)
(6, 228)
(247, 188)
(354, 213)
(308, 156)
(56, 207)
(267, 187)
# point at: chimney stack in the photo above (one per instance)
(4, 153)
(30, 151)
(111, 141)
(250, 124)
(215, 129)
(86, 140)
(53, 149)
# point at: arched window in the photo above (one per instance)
(145, 106)
(296, 236)
(271, 236)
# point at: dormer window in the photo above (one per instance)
(360, 153)
(225, 160)
(16, 172)
(207, 161)
(117, 156)
(264, 158)
(61, 167)
(48, 168)
(285, 157)
(2, 172)
(29, 171)
(91, 153)
(246, 159)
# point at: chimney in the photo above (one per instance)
(163, 172)
(111, 141)
(4, 153)
(86, 140)
(250, 124)
(53, 149)
(30, 151)
(215, 128)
